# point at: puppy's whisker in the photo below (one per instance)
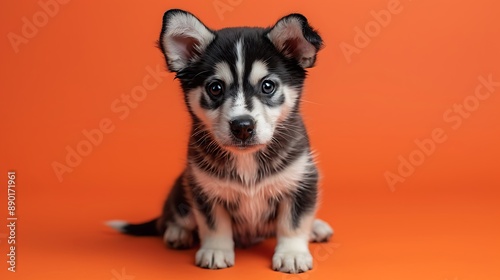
(311, 102)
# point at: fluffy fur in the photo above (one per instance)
(250, 173)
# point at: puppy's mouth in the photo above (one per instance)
(242, 147)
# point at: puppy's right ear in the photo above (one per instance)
(183, 38)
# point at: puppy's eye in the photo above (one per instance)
(268, 87)
(215, 88)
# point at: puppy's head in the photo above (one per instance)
(240, 84)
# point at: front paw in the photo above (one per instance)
(292, 262)
(214, 258)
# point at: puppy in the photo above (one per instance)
(250, 173)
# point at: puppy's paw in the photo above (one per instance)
(292, 262)
(321, 231)
(177, 237)
(214, 258)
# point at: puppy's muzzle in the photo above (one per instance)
(243, 127)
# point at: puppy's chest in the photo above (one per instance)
(252, 202)
(251, 205)
(253, 218)
(251, 210)
(244, 184)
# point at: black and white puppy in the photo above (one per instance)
(250, 173)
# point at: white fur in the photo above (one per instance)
(236, 108)
(266, 119)
(240, 63)
(223, 72)
(118, 225)
(259, 71)
(214, 258)
(292, 255)
(291, 98)
(292, 244)
(246, 166)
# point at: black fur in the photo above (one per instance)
(203, 204)
(144, 229)
(304, 198)
(176, 204)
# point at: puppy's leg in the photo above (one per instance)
(291, 254)
(293, 229)
(177, 222)
(216, 236)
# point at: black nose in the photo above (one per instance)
(242, 127)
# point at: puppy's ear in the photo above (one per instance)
(183, 38)
(294, 37)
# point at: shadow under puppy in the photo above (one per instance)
(250, 173)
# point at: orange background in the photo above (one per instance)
(442, 222)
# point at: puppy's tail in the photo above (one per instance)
(145, 229)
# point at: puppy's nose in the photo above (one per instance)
(243, 127)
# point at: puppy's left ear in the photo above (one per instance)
(294, 37)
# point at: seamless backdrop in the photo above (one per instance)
(402, 109)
